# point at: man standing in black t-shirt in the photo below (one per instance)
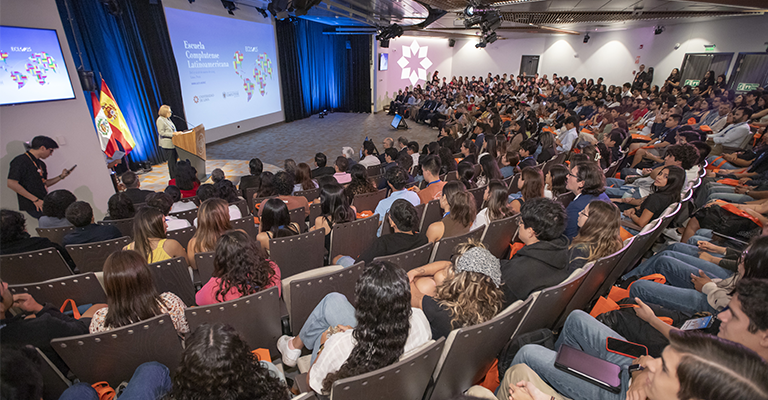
(28, 175)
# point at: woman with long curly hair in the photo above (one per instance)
(599, 225)
(213, 221)
(218, 364)
(360, 184)
(149, 237)
(494, 204)
(132, 297)
(240, 268)
(531, 185)
(348, 341)
(461, 293)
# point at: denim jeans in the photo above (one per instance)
(346, 261)
(151, 380)
(582, 332)
(688, 301)
(730, 197)
(725, 165)
(677, 262)
(334, 309)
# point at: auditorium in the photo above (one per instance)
(396, 199)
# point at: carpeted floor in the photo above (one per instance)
(299, 140)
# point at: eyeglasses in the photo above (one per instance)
(572, 175)
(583, 213)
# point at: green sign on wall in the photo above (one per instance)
(746, 87)
(692, 82)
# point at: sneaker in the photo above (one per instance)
(672, 233)
(290, 356)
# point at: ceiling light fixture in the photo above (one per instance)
(230, 6)
(586, 38)
(658, 29)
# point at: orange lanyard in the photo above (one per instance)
(39, 169)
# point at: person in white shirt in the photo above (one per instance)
(718, 120)
(368, 153)
(207, 191)
(565, 140)
(164, 202)
(397, 178)
(737, 134)
(329, 330)
(178, 205)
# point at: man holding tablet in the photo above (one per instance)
(28, 175)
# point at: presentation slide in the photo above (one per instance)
(32, 67)
(227, 67)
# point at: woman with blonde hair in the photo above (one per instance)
(531, 185)
(599, 225)
(131, 295)
(455, 295)
(212, 222)
(166, 130)
(149, 237)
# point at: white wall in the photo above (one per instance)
(388, 82)
(67, 121)
(246, 14)
(612, 55)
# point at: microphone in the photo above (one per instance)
(185, 121)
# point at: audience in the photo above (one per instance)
(303, 178)
(132, 184)
(15, 239)
(186, 179)
(80, 215)
(217, 175)
(320, 161)
(599, 236)
(458, 294)
(120, 207)
(55, 206)
(359, 183)
(369, 154)
(405, 223)
(459, 213)
(149, 237)
(362, 338)
(240, 268)
(275, 222)
(335, 209)
(397, 178)
(178, 205)
(666, 191)
(163, 202)
(207, 191)
(213, 216)
(489, 170)
(430, 168)
(283, 183)
(255, 168)
(543, 261)
(341, 175)
(587, 182)
(131, 295)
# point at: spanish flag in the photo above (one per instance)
(110, 123)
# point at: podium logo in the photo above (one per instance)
(411, 54)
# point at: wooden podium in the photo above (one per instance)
(191, 146)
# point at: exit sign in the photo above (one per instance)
(746, 87)
(709, 47)
(692, 82)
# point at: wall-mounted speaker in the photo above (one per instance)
(451, 42)
(385, 44)
(87, 80)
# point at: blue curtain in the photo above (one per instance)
(116, 47)
(322, 71)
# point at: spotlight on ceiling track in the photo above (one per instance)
(280, 9)
(486, 39)
(191, 1)
(586, 38)
(261, 11)
(389, 32)
(230, 6)
(658, 29)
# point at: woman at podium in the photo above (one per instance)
(166, 131)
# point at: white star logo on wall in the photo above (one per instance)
(416, 73)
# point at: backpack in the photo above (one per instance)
(542, 337)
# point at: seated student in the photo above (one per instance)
(164, 203)
(54, 209)
(80, 215)
(178, 205)
(275, 222)
(150, 237)
(684, 156)
(567, 139)
(186, 179)
(350, 155)
(255, 168)
(527, 148)
(447, 162)
(543, 261)
(359, 339)
(587, 182)
(15, 239)
(413, 151)
(469, 151)
(303, 178)
(666, 191)
(132, 297)
(119, 207)
(555, 180)
(38, 324)
(599, 224)
(369, 153)
(214, 221)
(266, 186)
(320, 161)
(531, 185)
(217, 175)
(283, 183)
(489, 169)
(132, 184)
(397, 178)
(208, 191)
(405, 223)
(227, 191)
(360, 183)
(217, 363)
(494, 205)
(508, 163)
(430, 169)
(335, 209)
(340, 166)
(240, 268)
(458, 294)
(613, 141)
(665, 137)
(459, 213)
